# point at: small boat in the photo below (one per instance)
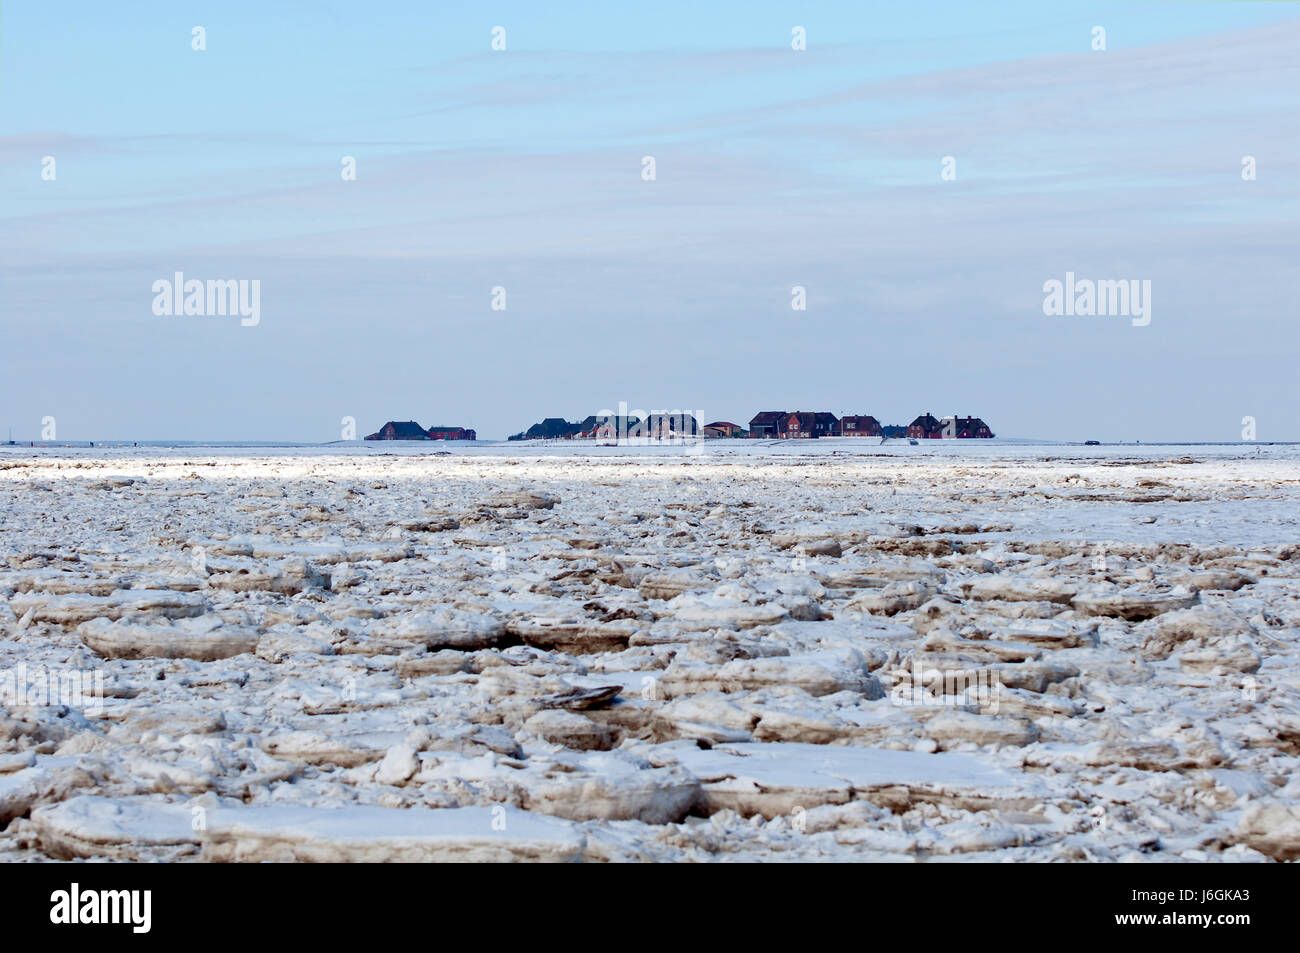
(913, 441)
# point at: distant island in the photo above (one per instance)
(767, 424)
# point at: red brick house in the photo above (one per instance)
(929, 427)
(973, 427)
(451, 433)
(925, 426)
(807, 424)
(796, 426)
(399, 430)
(858, 426)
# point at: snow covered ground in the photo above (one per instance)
(744, 649)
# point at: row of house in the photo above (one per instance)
(768, 424)
(410, 430)
(807, 424)
(616, 427)
(928, 426)
(801, 424)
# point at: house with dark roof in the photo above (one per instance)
(860, 426)
(593, 427)
(807, 424)
(973, 427)
(551, 428)
(400, 430)
(801, 424)
(607, 427)
(826, 424)
(764, 423)
(451, 433)
(927, 426)
(663, 426)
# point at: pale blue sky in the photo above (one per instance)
(522, 168)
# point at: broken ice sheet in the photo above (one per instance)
(374, 655)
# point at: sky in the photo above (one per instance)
(522, 169)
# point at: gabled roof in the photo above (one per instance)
(926, 421)
(811, 418)
(405, 428)
(611, 420)
(553, 427)
(767, 417)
